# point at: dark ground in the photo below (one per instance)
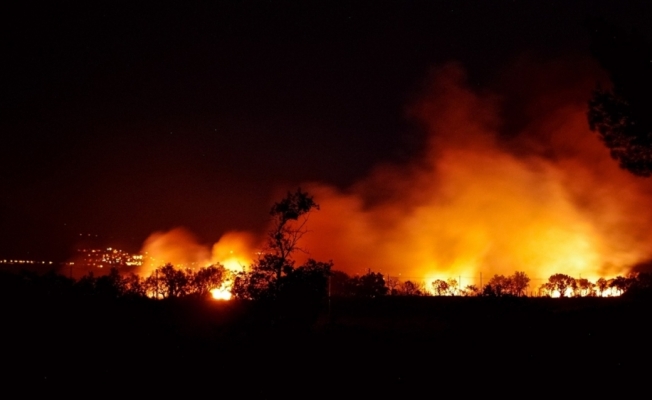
(386, 347)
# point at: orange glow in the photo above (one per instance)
(221, 294)
(546, 199)
(177, 246)
(234, 251)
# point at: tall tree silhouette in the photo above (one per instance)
(289, 217)
(621, 114)
(288, 225)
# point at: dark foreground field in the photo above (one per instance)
(386, 347)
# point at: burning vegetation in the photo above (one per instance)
(542, 197)
(273, 276)
(486, 197)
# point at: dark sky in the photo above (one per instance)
(122, 118)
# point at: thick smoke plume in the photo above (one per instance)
(507, 183)
(542, 198)
(179, 247)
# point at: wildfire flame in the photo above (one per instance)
(543, 198)
(234, 251)
(179, 247)
(221, 293)
(546, 199)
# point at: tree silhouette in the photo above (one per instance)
(134, 286)
(371, 284)
(548, 289)
(111, 286)
(274, 271)
(620, 284)
(621, 114)
(340, 284)
(602, 285)
(307, 284)
(174, 282)
(410, 288)
(498, 286)
(453, 287)
(561, 283)
(471, 290)
(440, 287)
(393, 285)
(206, 279)
(261, 281)
(289, 217)
(517, 283)
(584, 288)
(167, 281)
(640, 284)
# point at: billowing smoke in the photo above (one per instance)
(542, 198)
(182, 249)
(502, 185)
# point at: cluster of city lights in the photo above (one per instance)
(108, 257)
(13, 262)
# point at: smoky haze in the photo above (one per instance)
(124, 120)
(508, 180)
(539, 194)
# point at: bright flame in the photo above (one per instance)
(234, 250)
(221, 294)
(545, 199)
(537, 193)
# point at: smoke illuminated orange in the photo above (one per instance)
(545, 199)
(234, 250)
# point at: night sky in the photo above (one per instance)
(123, 118)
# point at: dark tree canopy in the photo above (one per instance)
(274, 276)
(622, 114)
(289, 217)
(560, 283)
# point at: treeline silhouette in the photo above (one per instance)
(373, 284)
(165, 282)
(163, 330)
(303, 330)
(312, 282)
